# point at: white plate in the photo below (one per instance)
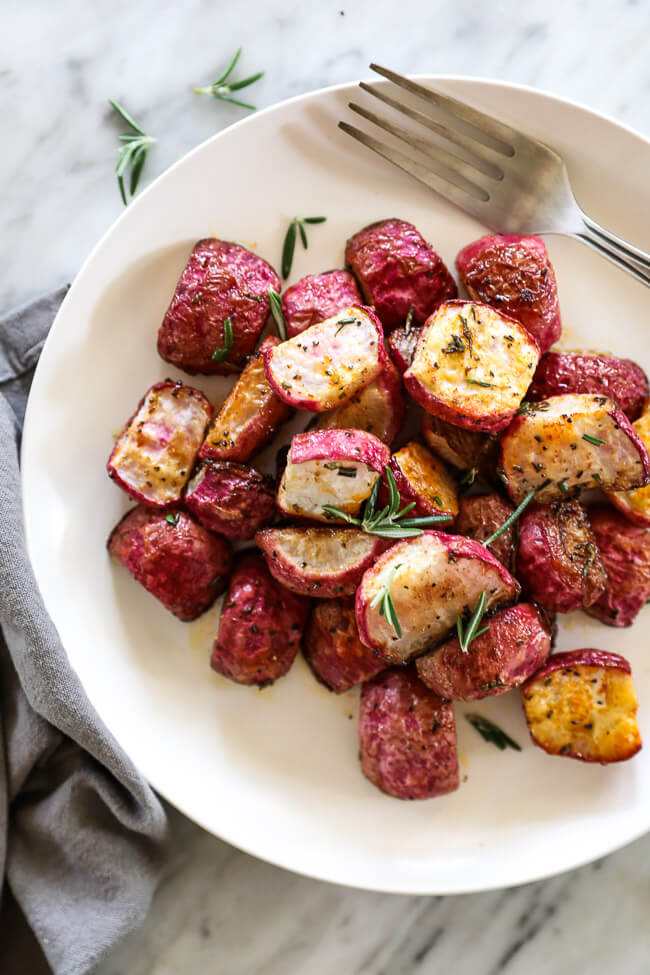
(276, 772)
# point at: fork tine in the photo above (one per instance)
(424, 174)
(488, 130)
(477, 154)
(450, 167)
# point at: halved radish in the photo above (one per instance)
(320, 562)
(378, 408)
(472, 366)
(153, 457)
(330, 467)
(582, 704)
(422, 477)
(570, 442)
(432, 580)
(325, 365)
(635, 504)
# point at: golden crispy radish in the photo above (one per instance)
(635, 504)
(422, 477)
(582, 704)
(472, 366)
(570, 442)
(378, 408)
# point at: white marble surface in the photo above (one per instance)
(219, 910)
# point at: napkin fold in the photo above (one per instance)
(82, 835)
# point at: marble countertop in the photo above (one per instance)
(219, 910)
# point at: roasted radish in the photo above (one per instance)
(514, 646)
(472, 366)
(566, 443)
(622, 380)
(377, 408)
(423, 478)
(480, 515)
(635, 504)
(401, 345)
(407, 737)
(582, 704)
(333, 649)
(330, 467)
(320, 562)
(414, 593)
(317, 297)
(625, 551)
(463, 449)
(153, 456)
(231, 499)
(325, 365)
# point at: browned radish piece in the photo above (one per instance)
(558, 560)
(635, 504)
(480, 515)
(515, 645)
(622, 380)
(401, 345)
(472, 366)
(407, 737)
(317, 297)
(320, 562)
(513, 273)
(625, 551)
(333, 649)
(153, 456)
(566, 443)
(231, 499)
(582, 704)
(378, 408)
(463, 449)
(261, 626)
(250, 415)
(423, 478)
(330, 467)
(177, 560)
(222, 282)
(398, 272)
(327, 364)
(430, 580)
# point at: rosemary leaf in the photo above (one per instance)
(220, 355)
(596, 441)
(288, 249)
(512, 518)
(491, 732)
(275, 303)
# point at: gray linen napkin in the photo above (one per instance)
(82, 835)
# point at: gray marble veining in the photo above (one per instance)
(219, 910)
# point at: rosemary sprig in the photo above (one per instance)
(297, 225)
(384, 600)
(492, 733)
(222, 88)
(220, 355)
(390, 521)
(480, 382)
(512, 518)
(468, 633)
(275, 301)
(133, 153)
(596, 441)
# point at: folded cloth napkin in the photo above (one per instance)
(82, 835)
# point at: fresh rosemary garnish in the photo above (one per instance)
(172, 518)
(390, 521)
(596, 441)
(563, 486)
(222, 88)
(133, 153)
(384, 600)
(527, 407)
(480, 382)
(343, 322)
(297, 225)
(468, 633)
(511, 518)
(456, 344)
(275, 301)
(342, 470)
(220, 355)
(491, 732)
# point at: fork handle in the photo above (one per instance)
(626, 256)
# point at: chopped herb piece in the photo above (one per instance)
(347, 472)
(343, 322)
(591, 555)
(275, 302)
(289, 246)
(480, 382)
(132, 154)
(197, 297)
(438, 500)
(492, 733)
(409, 319)
(511, 519)
(384, 600)
(456, 344)
(172, 518)
(471, 631)
(597, 478)
(468, 479)
(596, 441)
(563, 486)
(220, 355)
(222, 88)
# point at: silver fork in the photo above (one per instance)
(509, 181)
